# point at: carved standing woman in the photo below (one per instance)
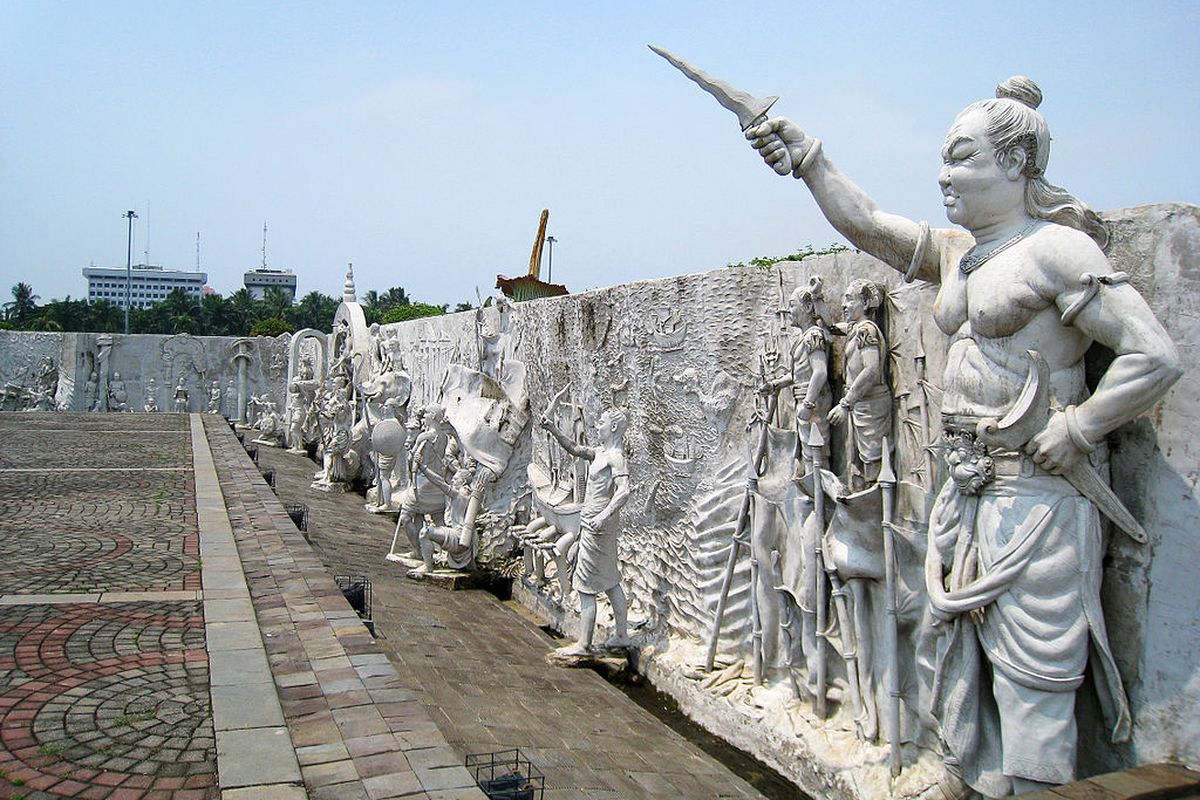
(1014, 565)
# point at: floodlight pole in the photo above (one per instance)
(131, 216)
(550, 240)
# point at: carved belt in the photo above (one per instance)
(972, 465)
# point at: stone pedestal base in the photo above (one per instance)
(450, 579)
(609, 661)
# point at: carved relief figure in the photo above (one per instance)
(866, 406)
(118, 398)
(452, 537)
(1013, 568)
(91, 398)
(44, 386)
(596, 569)
(423, 497)
(214, 398)
(808, 372)
(180, 397)
(269, 424)
(388, 438)
(338, 460)
(151, 402)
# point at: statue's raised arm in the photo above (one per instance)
(901, 243)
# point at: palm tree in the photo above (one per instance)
(242, 312)
(66, 314)
(23, 304)
(216, 314)
(315, 310)
(370, 306)
(275, 303)
(106, 317)
(395, 296)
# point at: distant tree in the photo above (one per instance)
(106, 317)
(21, 308)
(412, 311)
(395, 296)
(275, 303)
(370, 306)
(63, 315)
(315, 310)
(216, 315)
(185, 323)
(272, 326)
(463, 307)
(242, 312)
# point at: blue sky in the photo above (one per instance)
(421, 141)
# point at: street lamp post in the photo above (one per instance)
(131, 216)
(550, 240)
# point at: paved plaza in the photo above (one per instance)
(167, 632)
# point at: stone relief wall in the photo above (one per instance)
(107, 371)
(683, 358)
(30, 371)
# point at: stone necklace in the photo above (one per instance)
(972, 260)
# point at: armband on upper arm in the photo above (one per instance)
(1091, 287)
(914, 266)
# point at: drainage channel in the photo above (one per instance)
(745, 766)
(664, 708)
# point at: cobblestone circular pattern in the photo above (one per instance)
(64, 532)
(99, 698)
(72, 551)
(144, 721)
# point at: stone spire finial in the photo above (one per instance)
(348, 295)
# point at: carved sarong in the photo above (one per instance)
(1014, 574)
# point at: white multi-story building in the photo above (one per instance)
(259, 280)
(147, 284)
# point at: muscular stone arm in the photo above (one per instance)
(889, 237)
(819, 362)
(440, 482)
(1146, 362)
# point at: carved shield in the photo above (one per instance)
(854, 538)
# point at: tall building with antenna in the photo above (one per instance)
(257, 281)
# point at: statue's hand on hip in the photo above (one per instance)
(1052, 449)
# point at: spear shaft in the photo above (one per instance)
(887, 485)
(816, 442)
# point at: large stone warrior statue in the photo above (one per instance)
(1013, 568)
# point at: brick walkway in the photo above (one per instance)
(358, 731)
(477, 666)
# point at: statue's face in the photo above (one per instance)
(854, 309)
(976, 191)
(801, 311)
(796, 310)
(611, 425)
